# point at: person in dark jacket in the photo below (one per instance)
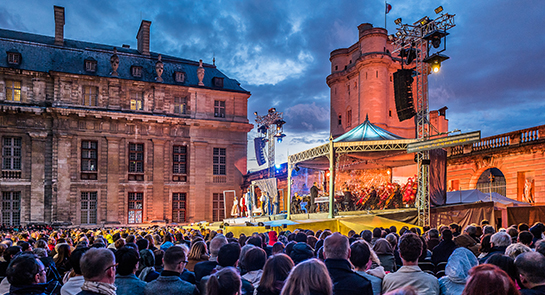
(98, 268)
(442, 252)
(205, 268)
(345, 280)
(531, 267)
(500, 241)
(27, 276)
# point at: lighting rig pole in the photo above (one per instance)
(414, 42)
(269, 128)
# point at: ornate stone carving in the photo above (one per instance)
(159, 69)
(200, 73)
(114, 62)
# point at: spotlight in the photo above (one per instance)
(391, 37)
(296, 168)
(435, 61)
(255, 113)
(438, 10)
(260, 224)
(272, 110)
(280, 137)
(398, 21)
(398, 34)
(279, 123)
(267, 227)
(262, 129)
(435, 37)
(423, 21)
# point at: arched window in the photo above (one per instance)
(492, 180)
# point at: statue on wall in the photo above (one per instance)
(114, 62)
(159, 69)
(528, 191)
(200, 73)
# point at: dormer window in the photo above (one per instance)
(90, 65)
(179, 77)
(217, 82)
(14, 58)
(136, 71)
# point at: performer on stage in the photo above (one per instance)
(276, 203)
(264, 206)
(313, 195)
(235, 211)
(295, 202)
(248, 202)
(349, 204)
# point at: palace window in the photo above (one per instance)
(219, 160)
(14, 58)
(137, 101)
(340, 121)
(11, 157)
(180, 105)
(217, 82)
(11, 208)
(178, 207)
(90, 94)
(13, 90)
(218, 207)
(88, 208)
(89, 155)
(179, 77)
(136, 71)
(90, 65)
(179, 163)
(219, 108)
(136, 207)
(136, 161)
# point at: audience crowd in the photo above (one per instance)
(172, 260)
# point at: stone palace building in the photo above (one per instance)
(93, 134)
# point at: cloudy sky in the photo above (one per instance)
(279, 51)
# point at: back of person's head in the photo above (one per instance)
(516, 249)
(540, 246)
(75, 259)
(159, 254)
(393, 229)
(454, 227)
(255, 259)
(22, 270)
(531, 267)
(500, 239)
(486, 246)
(367, 235)
(301, 237)
(25, 246)
(488, 229)
(215, 245)
(198, 248)
(95, 262)
(512, 232)
(489, 279)
(142, 244)
(308, 277)
(278, 248)
(410, 247)
(127, 258)
(276, 269)
(523, 227)
(392, 239)
(471, 230)
(228, 254)
(360, 254)
(336, 247)
(255, 240)
(433, 233)
(505, 263)
(526, 238)
(224, 282)
(446, 235)
(174, 255)
(377, 232)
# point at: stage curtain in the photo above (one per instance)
(438, 177)
(463, 214)
(529, 215)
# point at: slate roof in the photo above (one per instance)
(366, 131)
(38, 53)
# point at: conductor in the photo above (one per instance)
(313, 195)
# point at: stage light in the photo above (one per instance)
(435, 37)
(438, 10)
(296, 168)
(280, 136)
(278, 166)
(398, 21)
(435, 61)
(391, 37)
(422, 21)
(255, 113)
(272, 110)
(279, 123)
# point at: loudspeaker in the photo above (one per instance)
(403, 94)
(259, 145)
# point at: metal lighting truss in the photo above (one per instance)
(413, 37)
(269, 121)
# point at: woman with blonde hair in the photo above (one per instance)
(308, 277)
(197, 254)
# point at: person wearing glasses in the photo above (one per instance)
(98, 268)
(27, 275)
(169, 282)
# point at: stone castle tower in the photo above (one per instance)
(361, 83)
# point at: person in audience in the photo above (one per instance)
(410, 249)
(345, 281)
(254, 261)
(467, 241)
(224, 282)
(516, 249)
(198, 253)
(499, 241)
(385, 253)
(275, 272)
(74, 283)
(98, 268)
(308, 277)
(489, 279)
(301, 251)
(205, 268)
(27, 275)
(442, 251)
(169, 282)
(433, 238)
(360, 257)
(531, 269)
(540, 246)
(506, 264)
(457, 271)
(526, 238)
(126, 281)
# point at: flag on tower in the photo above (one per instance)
(388, 7)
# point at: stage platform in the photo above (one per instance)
(343, 222)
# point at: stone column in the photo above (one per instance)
(113, 180)
(64, 147)
(157, 197)
(37, 176)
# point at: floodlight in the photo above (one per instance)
(255, 113)
(435, 61)
(422, 21)
(438, 10)
(435, 37)
(398, 21)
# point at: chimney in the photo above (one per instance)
(143, 37)
(59, 25)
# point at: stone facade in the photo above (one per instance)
(120, 143)
(361, 83)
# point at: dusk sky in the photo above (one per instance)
(279, 50)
